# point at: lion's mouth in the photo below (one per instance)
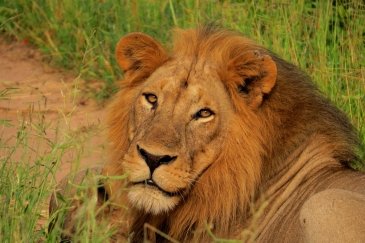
(151, 183)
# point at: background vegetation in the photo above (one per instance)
(325, 38)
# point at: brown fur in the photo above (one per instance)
(283, 143)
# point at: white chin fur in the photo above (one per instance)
(151, 200)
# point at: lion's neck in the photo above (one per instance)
(283, 194)
(313, 155)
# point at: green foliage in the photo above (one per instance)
(27, 179)
(23, 191)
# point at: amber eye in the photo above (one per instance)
(203, 113)
(151, 98)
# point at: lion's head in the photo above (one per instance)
(194, 129)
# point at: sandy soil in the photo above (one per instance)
(51, 104)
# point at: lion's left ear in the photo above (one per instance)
(254, 74)
(138, 53)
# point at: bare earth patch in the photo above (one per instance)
(52, 106)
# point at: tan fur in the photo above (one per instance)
(271, 143)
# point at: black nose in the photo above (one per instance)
(154, 161)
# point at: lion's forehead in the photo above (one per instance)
(184, 83)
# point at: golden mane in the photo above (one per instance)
(257, 146)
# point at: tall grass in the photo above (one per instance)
(24, 189)
(324, 38)
(27, 179)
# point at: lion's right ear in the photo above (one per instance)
(137, 52)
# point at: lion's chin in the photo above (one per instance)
(151, 200)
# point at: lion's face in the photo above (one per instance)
(178, 117)
(175, 127)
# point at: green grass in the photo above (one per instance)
(323, 38)
(27, 179)
(23, 192)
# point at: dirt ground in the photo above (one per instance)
(51, 104)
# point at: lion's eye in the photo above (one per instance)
(151, 98)
(203, 113)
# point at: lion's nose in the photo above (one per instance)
(154, 161)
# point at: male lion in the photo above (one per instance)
(222, 137)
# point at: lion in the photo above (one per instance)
(221, 138)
